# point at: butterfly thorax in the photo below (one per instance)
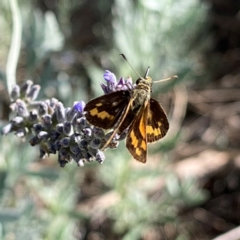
(141, 93)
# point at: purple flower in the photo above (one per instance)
(100, 157)
(105, 88)
(110, 78)
(33, 92)
(128, 81)
(7, 129)
(112, 84)
(120, 84)
(15, 93)
(124, 84)
(79, 106)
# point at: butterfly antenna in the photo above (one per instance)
(146, 73)
(132, 66)
(166, 79)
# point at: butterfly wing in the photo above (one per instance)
(127, 122)
(137, 136)
(157, 123)
(105, 111)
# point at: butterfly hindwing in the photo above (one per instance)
(137, 136)
(105, 111)
(157, 123)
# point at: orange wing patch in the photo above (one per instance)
(101, 115)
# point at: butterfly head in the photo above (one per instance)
(146, 80)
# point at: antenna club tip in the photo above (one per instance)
(123, 56)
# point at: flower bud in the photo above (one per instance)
(65, 142)
(33, 92)
(21, 108)
(57, 145)
(111, 81)
(34, 141)
(83, 144)
(51, 146)
(60, 112)
(67, 128)
(59, 128)
(95, 143)
(54, 135)
(25, 89)
(37, 127)
(22, 132)
(98, 133)
(53, 102)
(80, 163)
(100, 157)
(87, 133)
(80, 124)
(79, 106)
(47, 121)
(18, 121)
(74, 149)
(15, 93)
(43, 109)
(7, 129)
(62, 162)
(70, 114)
(33, 116)
(43, 135)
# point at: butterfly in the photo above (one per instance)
(133, 110)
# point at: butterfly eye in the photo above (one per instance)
(138, 81)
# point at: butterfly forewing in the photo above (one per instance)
(127, 122)
(157, 123)
(105, 111)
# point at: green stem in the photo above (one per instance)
(15, 45)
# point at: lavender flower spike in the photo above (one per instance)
(79, 106)
(111, 80)
(57, 129)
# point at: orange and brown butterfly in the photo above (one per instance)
(131, 109)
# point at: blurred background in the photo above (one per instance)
(189, 187)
